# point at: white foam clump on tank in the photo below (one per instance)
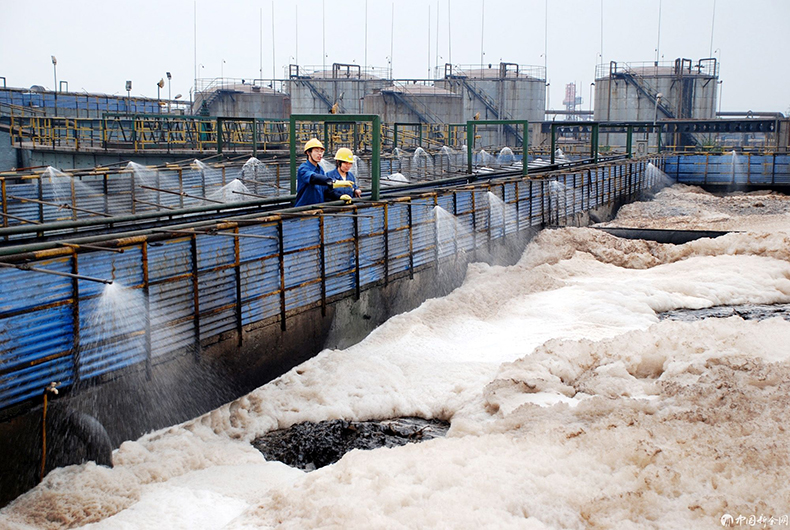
(565, 392)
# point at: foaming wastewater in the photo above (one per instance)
(571, 402)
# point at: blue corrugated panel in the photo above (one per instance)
(124, 268)
(304, 265)
(524, 197)
(423, 243)
(782, 169)
(397, 216)
(445, 202)
(422, 211)
(18, 208)
(300, 233)
(399, 246)
(170, 258)
(260, 281)
(511, 211)
(578, 189)
(481, 216)
(251, 248)
(463, 202)
(371, 251)
(193, 185)
(340, 260)
(496, 216)
(32, 336)
(16, 387)
(373, 220)
(302, 296)
(17, 286)
(337, 228)
(172, 316)
(112, 331)
(215, 251)
(465, 238)
(217, 301)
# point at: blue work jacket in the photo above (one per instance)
(333, 194)
(311, 184)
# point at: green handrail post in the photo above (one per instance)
(553, 141)
(219, 135)
(629, 141)
(470, 138)
(395, 137)
(375, 170)
(594, 142)
(255, 138)
(658, 140)
(292, 142)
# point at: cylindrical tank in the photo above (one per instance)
(243, 100)
(508, 92)
(343, 88)
(415, 103)
(629, 91)
(651, 92)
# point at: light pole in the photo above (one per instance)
(159, 86)
(169, 77)
(128, 96)
(55, 89)
(592, 116)
(55, 69)
(655, 119)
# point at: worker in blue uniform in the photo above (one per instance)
(344, 183)
(311, 179)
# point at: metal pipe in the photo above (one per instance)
(92, 247)
(66, 225)
(182, 194)
(25, 267)
(155, 204)
(215, 233)
(58, 206)
(20, 219)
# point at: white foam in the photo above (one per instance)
(571, 406)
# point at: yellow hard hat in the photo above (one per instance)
(344, 154)
(313, 142)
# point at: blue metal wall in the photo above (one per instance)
(172, 292)
(729, 169)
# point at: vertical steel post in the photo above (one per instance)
(282, 273)
(292, 142)
(147, 316)
(75, 316)
(375, 171)
(322, 253)
(195, 297)
(237, 274)
(357, 279)
(553, 143)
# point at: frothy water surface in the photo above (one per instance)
(571, 403)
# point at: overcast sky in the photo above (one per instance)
(101, 44)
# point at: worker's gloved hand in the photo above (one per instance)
(346, 198)
(342, 184)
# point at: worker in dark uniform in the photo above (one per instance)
(311, 180)
(344, 183)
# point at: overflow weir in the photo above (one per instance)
(146, 319)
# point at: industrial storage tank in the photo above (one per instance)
(240, 98)
(340, 90)
(415, 102)
(507, 92)
(630, 91)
